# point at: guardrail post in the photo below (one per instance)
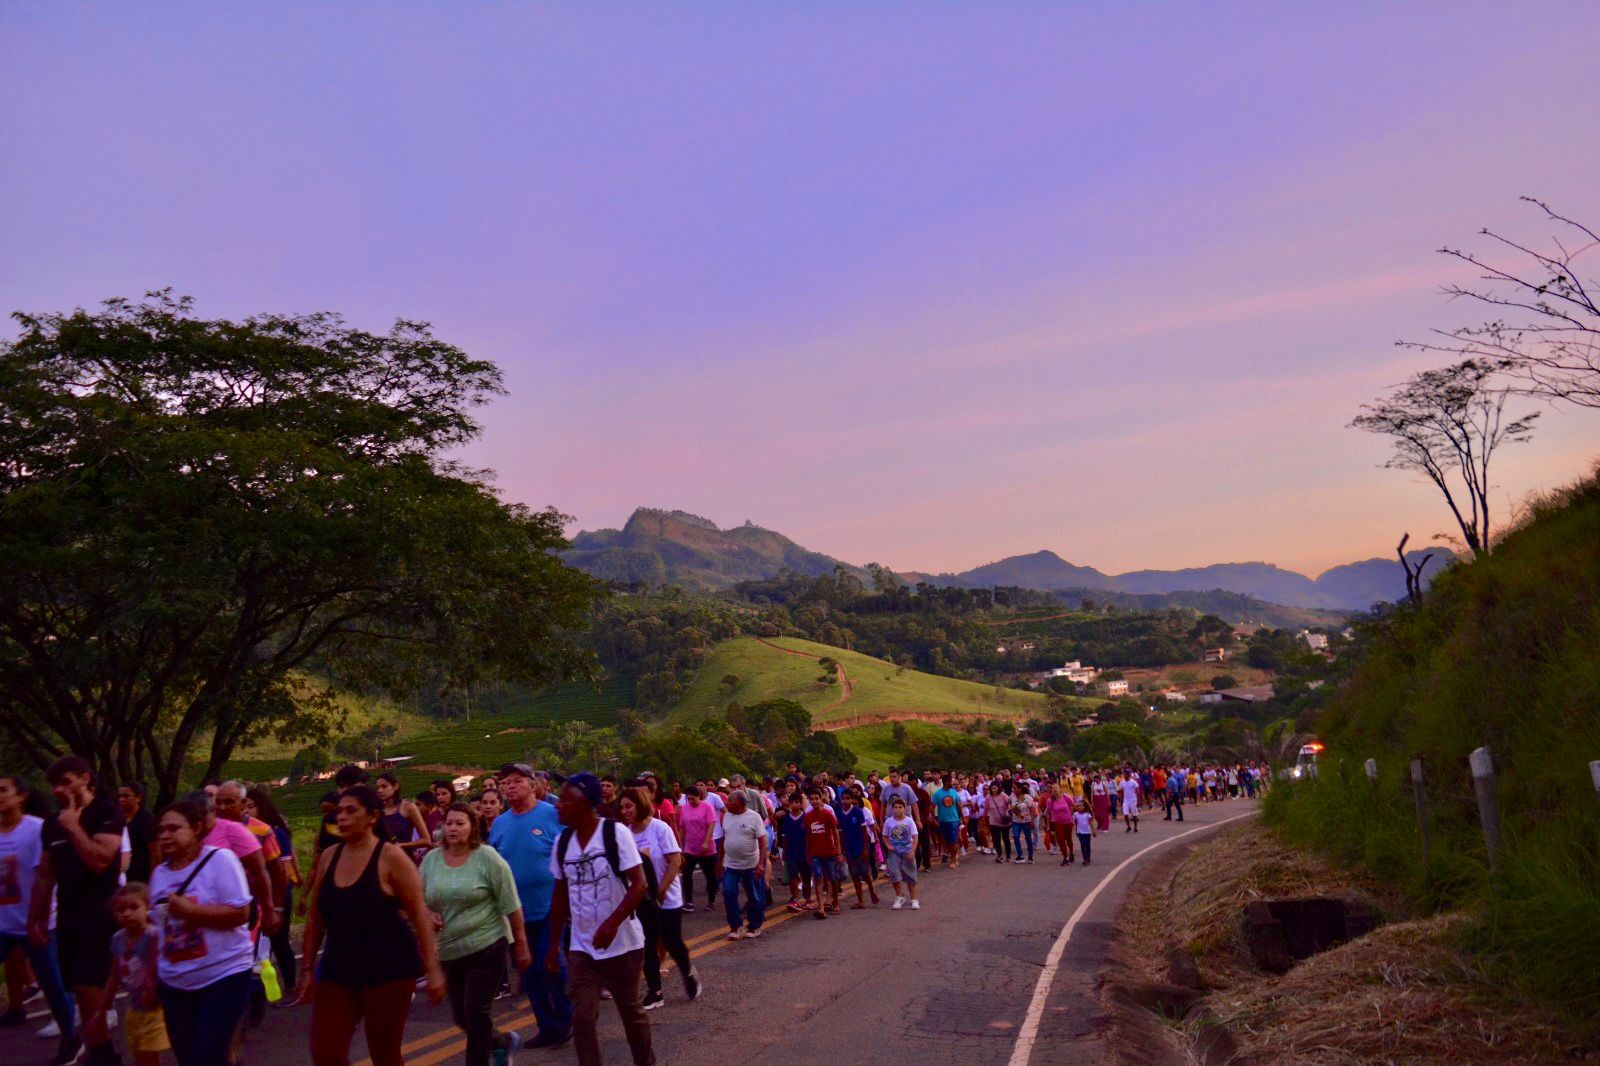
(1420, 795)
(1372, 770)
(1488, 804)
(1594, 775)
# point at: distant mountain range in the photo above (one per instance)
(1353, 586)
(674, 547)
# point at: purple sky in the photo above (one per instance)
(920, 285)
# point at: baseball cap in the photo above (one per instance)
(588, 784)
(517, 768)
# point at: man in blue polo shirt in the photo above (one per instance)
(525, 834)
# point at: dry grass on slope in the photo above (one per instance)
(1405, 993)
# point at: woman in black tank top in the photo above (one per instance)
(376, 936)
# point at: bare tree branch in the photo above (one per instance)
(1446, 424)
(1553, 348)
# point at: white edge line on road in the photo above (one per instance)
(1041, 991)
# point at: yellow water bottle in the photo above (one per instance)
(269, 980)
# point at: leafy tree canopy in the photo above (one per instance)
(195, 515)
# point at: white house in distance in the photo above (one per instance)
(1314, 641)
(1116, 688)
(1077, 673)
(1211, 697)
(1216, 655)
(1172, 695)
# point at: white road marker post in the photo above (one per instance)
(1488, 804)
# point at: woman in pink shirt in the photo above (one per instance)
(697, 825)
(1058, 807)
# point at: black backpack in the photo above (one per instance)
(608, 842)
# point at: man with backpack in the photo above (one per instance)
(599, 883)
(525, 836)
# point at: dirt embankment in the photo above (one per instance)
(1187, 986)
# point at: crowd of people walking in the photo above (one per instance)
(575, 887)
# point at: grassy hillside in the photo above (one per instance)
(481, 742)
(360, 712)
(874, 745)
(1503, 654)
(786, 668)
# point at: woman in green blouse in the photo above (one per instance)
(470, 890)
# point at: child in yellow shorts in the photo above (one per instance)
(133, 969)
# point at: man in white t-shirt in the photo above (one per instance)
(599, 884)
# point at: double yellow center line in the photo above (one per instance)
(454, 1042)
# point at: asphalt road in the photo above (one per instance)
(999, 966)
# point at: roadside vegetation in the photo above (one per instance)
(1501, 653)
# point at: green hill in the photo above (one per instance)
(1502, 654)
(480, 742)
(874, 690)
(875, 747)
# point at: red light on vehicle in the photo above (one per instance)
(1315, 746)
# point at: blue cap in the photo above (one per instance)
(586, 783)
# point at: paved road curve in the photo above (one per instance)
(999, 966)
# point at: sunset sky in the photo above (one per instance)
(921, 284)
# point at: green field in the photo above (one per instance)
(481, 742)
(359, 712)
(874, 745)
(1044, 622)
(881, 689)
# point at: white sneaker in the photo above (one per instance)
(753, 934)
(736, 934)
(899, 901)
(916, 904)
(52, 1028)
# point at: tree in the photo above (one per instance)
(956, 751)
(578, 746)
(1222, 681)
(1553, 347)
(824, 751)
(308, 762)
(211, 527)
(1114, 742)
(883, 579)
(777, 725)
(1413, 573)
(679, 754)
(365, 745)
(830, 670)
(629, 725)
(1446, 424)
